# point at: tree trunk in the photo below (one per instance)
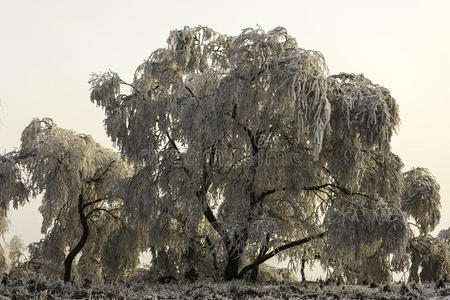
(414, 269)
(302, 270)
(73, 253)
(231, 269)
(254, 274)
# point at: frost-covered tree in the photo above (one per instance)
(3, 261)
(80, 204)
(421, 202)
(12, 191)
(251, 135)
(16, 250)
(432, 256)
(445, 234)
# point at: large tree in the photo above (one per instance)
(252, 135)
(80, 204)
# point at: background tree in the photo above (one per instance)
(4, 266)
(445, 234)
(12, 191)
(431, 256)
(80, 206)
(251, 134)
(421, 201)
(16, 250)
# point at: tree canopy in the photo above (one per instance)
(251, 134)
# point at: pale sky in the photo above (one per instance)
(49, 48)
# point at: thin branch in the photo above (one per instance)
(342, 189)
(190, 91)
(109, 212)
(60, 211)
(254, 145)
(47, 123)
(269, 192)
(100, 177)
(134, 88)
(93, 202)
(321, 198)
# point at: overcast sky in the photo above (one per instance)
(48, 49)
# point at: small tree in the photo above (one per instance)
(12, 191)
(432, 256)
(80, 205)
(3, 261)
(445, 234)
(16, 250)
(421, 201)
(250, 134)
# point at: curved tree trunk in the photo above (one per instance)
(73, 253)
(232, 267)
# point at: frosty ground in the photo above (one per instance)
(41, 289)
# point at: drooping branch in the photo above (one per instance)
(109, 212)
(277, 250)
(100, 176)
(135, 89)
(315, 188)
(342, 189)
(60, 211)
(189, 90)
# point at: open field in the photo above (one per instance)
(40, 289)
